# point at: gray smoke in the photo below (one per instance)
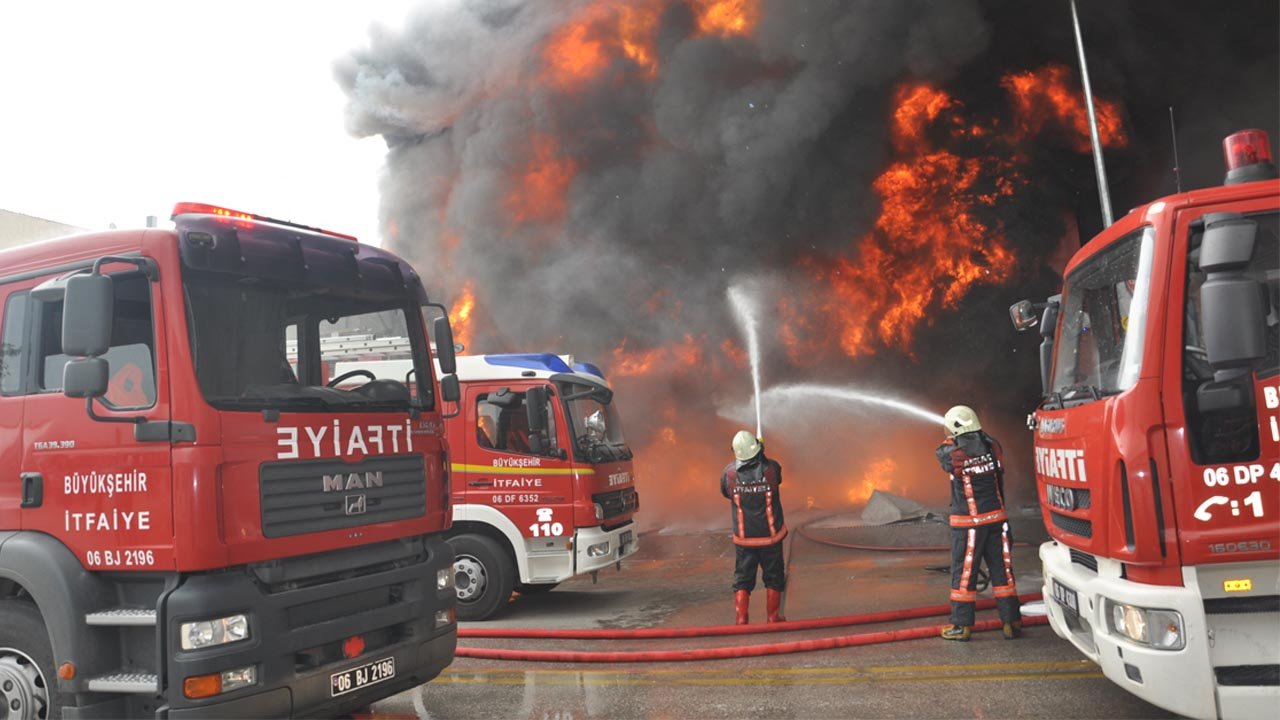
(744, 154)
(739, 148)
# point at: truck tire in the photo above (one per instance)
(483, 574)
(537, 588)
(26, 663)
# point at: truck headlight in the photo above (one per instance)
(599, 511)
(1160, 629)
(208, 633)
(598, 550)
(444, 578)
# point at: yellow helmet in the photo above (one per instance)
(959, 420)
(746, 446)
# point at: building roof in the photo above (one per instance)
(19, 228)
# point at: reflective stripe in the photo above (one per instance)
(768, 509)
(1008, 560)
(971, 520)
(1009, 590)
(968, 559)
(465, 469)
(742, 523)
(968, 494)
(760, 541)
(963, 596)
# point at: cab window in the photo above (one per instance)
(130, 360)
(1228, 435)
(502, 423)
(11, 336)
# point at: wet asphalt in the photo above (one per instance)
(681, 580)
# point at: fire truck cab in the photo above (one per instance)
(542, 483)
(194, 520)
(1157, 445)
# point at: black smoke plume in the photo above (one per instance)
(734, 155)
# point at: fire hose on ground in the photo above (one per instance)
(739, 651)
(722, 653)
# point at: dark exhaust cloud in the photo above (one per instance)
(595, 193)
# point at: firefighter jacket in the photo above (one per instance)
(975, 462)
(755, 501)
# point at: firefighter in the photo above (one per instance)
(751, 483)
(979, 523)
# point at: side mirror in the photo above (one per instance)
(444, 346)
(86, 378)
(86, 316)
(535, 405)
(1232, 308)
(1048, 326)
(449, 389)
(1023, 315)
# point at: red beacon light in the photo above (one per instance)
(192, 208)
(1248, 157)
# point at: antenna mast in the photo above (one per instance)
(1104, 193)
(1177, 166)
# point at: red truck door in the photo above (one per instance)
(1227, 467)
(106, 493)
(13, 311)
(502, 471)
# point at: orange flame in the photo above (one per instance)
(674, 357)
(576, 52)
(460, 315)
(879, 475)
(581, 50)
(928, 247)
(1049, 95)
(727, 17)
(540, 192)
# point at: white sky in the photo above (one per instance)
(112, 111)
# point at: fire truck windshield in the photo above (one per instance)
(1104, 310)
(594, 423)
(297, 348)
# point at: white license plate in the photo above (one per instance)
(1066, 597)
(341, 683)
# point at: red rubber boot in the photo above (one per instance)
(741, 601)
(775, 606)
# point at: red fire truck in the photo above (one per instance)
(192, 524)
(543, 488)
(1157, 446)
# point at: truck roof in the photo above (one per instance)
(49, 254)
(516, 366)
(1169, 204)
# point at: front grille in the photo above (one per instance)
(316, 495)
(1239, 675)
(1075, 526)
(1084, 559)
(1083, 501)
(616, 502)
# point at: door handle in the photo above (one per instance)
(32, 490)
(480, 483)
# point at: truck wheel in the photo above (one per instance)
(537, 588)
(483, 575)
(26, 664)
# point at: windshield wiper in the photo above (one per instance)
(1073, 392)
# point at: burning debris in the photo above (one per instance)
(589, 176)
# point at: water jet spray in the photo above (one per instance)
(744, 310)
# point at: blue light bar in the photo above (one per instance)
(530, 361)
(590, 369)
